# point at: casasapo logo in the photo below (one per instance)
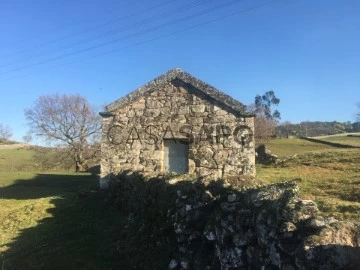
(118, 134)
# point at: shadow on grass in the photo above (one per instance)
(76, 233)
(84, 231)
(47, 185)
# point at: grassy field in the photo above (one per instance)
(290, 147)
(328, 175)
(16, 160)
(56, 220)
(349, 140)
(45, 223)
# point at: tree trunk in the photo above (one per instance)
(79, 167)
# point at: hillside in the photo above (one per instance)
(7, 142)
(352, 139)
(327, 174)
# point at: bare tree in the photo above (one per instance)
(70, 122)
(5, 132)
(264, 128)
(285, 129)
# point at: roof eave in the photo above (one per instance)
(169, 76)
(106, 114)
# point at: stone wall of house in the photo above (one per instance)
(221, 142)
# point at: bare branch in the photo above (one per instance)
(5, 132)
(68, 120)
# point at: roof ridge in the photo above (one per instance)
(178, 73)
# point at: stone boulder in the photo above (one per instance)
(264, 155)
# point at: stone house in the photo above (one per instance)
(177, 124)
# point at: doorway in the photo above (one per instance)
(176, 156)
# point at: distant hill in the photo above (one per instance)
(7, 142)
(313, 129)
(16, 146)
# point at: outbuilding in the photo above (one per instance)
(177, 124)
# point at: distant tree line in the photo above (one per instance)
(317, 128)
(267, 122)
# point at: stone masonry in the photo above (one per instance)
(178, 107)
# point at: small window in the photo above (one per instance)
(176, 156)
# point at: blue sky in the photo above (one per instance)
(306, 51)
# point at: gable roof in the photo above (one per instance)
(173, 74)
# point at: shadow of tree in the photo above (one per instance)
(46, 185)
(77, 234)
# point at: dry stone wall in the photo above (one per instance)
(264, 228)
(221, 142)
(217, 226)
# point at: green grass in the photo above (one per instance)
(348, 140)
(290, 147)
(330, 176)
(17, 160)
(45, 224)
